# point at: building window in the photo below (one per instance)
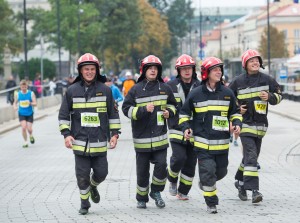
(297, 49)
(285, 33)
(297, 33)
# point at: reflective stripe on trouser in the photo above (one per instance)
(249, 172)
(184, 160)
(212, 168)
(83, 166)
(159, 176)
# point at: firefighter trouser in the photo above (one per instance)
(183, 159)
(159, 177)
(211, 169)
(83, 166)
(247, 171)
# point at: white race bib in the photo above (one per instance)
(160, 118)
(89, 119)
(220, 123)
(261, 107)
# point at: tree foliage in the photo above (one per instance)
(10, 34)
(34, 66)
(278, 47)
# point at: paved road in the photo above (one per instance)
(38, 184)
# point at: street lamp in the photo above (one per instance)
(25, 39)
(268, 35)
(58, 37)
(220, 26)
(80, 11)
(200, 32)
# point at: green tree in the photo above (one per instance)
(34, 66)
(9, 34)
(179, 14)
(278, 47)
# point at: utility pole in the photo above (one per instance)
(58, 38)
(25, 39)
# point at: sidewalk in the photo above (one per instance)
(287, 108)
(38, 114)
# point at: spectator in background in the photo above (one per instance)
(128, 83)
(52, 86)
(10, 94)
(117, 95)
(37, 85)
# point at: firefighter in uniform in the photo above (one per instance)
(87, 111)
(183, 160)
(254, 90)
(148, 104)
(212, 106)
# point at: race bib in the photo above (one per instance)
(261, 107)
(160, 118)
(89, 119)
(220, 123)
(24, 104)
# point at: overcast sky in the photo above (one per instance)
(229, 3)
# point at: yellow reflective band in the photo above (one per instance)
(160, 143)
(142, 193)
(172, 108)
(101, 110)
(178, 100)
(250, 174)
(211, 147)
(239, 117)
(211, 108)
(89, 105)
(92, 150)
(253, 131)
(62, 127)
(171, 173)
(182, 120)
(241, 168)
(249, 95)
(176, 136)
(150, 145)
(158, 183)
(278, 98)
(114, 126)
(85, 196)
(209, 193)
(186, 182)
(134, 112)
(155, 103)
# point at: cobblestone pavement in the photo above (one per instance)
(38, 184)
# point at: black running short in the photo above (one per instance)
(26, 118)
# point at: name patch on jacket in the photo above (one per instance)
(101, 109)
(162, 92)
(227, 97)
(99, 94)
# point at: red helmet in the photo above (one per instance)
(148, 61)
(184, 60)
(248, 54)
(208, 64)
(90, 59)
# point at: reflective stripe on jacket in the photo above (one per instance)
(206, 108)
(247, 89)
(149, 130)
(96, 101)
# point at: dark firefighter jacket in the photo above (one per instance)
(88, 115)
(247, 89)
(175, 133)
(211, 112)
(149, 130)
